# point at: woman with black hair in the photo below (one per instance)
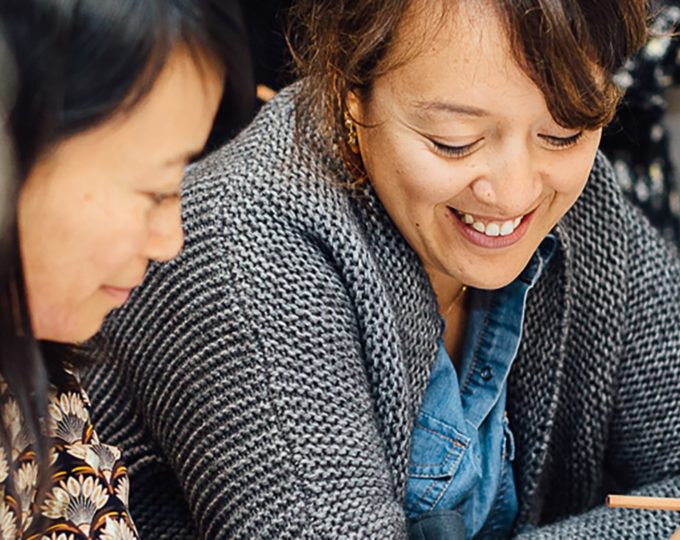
(113, 99)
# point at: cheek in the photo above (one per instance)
(70, 248)
(568, 187)
(570, 175)
(108, 238)
(65, 280)
(119, 241)
(402, 165)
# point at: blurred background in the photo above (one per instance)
(643, 142)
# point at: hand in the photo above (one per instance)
(676, 535)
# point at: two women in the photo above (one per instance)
(412, 299)
(112, 99)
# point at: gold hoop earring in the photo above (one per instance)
(352, 137)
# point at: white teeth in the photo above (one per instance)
(491, 229)
(507, 228)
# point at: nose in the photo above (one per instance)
(166, 237)
(512, 181)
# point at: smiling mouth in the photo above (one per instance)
(120, 294)
(490, 228)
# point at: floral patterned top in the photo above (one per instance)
(88, 496)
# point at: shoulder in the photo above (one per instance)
(267, 196)
(617, 262)
(602, 227)
(604, 224)
(600, 207)
(274, 168)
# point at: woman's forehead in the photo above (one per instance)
(462, 51)
(462, 28)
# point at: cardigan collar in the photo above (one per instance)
(399, 378)
(546, 330)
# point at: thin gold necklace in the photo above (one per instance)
(458, 297)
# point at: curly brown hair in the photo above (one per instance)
(341, 46)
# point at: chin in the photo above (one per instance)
(74, 333)
(86, 331)
(493, 280)
(491, 285)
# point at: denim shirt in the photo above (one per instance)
(462, 445)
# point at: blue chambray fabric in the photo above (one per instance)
(462, 444)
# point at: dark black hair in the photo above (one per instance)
(79, 62)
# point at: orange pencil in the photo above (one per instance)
(644, 503)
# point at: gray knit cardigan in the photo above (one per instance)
(265, 383)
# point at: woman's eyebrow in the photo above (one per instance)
(448, 107)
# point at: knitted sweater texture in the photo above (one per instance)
(264, 384)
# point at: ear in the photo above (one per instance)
(354, 106)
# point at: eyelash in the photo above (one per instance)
(454, 151)
(463, 151)
(159, 198)
(563, 142)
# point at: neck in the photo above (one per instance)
(448, 289)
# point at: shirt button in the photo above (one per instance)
(486, 373)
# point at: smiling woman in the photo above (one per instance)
(113, 100)
(413, 301)
(494, 163)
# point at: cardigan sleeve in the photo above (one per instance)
(251, 379)
(643, 447)
(603, 522)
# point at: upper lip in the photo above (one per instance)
(497, 219)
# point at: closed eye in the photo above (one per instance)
(562, 142)
(454, 151)
(161, 198)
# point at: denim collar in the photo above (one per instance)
(540, 259)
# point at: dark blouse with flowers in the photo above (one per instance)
(88, 495)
